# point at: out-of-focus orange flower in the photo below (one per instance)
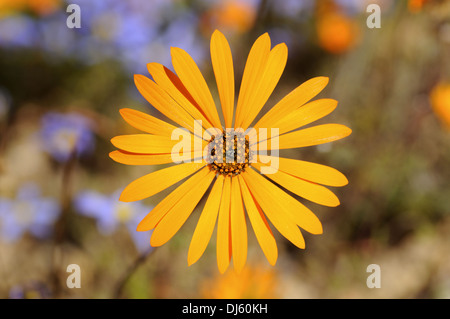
(44, 7)
(440, 102)
(39, 7)
(336, 32)
(230, 16)
(10, 6)
(416, 5)
(254, 282)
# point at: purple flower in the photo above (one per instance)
(17, 31)
(110, 213)
(293, 8)
(352, 6)
(64, 134)
(133, 32)
(121, 29)
(28, 212)
(31, 290)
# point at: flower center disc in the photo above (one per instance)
(229, 153)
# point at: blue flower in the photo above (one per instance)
(133, 32)
(17, 31)
(28, 212)
(294, 8)
(110, 213)
(31, 290)
(64, 134)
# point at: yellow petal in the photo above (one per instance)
(154, 144)
(299, 96)
(194, 81)
(313, 172)
(157, 181)
(160, 210)
(206, 222)
(283, 223)
(238, 227)
(223, 228)
(306, 114)
(315, 135)
(222, 62)
(179, 213)
(144, 143)
(163, 102)
(147, 123)
(170, 82)
(268, 195)
(253, 71)
(272, 73)
(128, 158)
(260, 225)
(310, 191)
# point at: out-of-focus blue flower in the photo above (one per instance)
(352, 6)
(133, 32)
(32, 290)
(18, 31)
(28, 212)
(293, 8)
(54, 38)
(64, 134)
(110, 213)
(125, 30)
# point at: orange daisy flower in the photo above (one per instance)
(230, 164)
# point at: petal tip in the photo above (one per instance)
(272, 261)
(348, 131)
(124, 110)
(111, 154)
(319, 231)
(222, 270)
(140, 227)
(113, 140)
(175, 50)
(335, 202)
(139, 78)
(125, 197)
(154, 242)
(191, 259)
(344, 180)
(217, 32)
(325, 79)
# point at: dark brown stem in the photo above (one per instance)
(61, 224)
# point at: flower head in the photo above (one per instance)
(39, 7)
(416, 5)
(237, 185)
(440, 102)
(336, 32)
(110, 214)
(232, 15)
(65, 134)
(28, 212)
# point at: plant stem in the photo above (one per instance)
(131, 270)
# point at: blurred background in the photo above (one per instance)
(60, 94)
